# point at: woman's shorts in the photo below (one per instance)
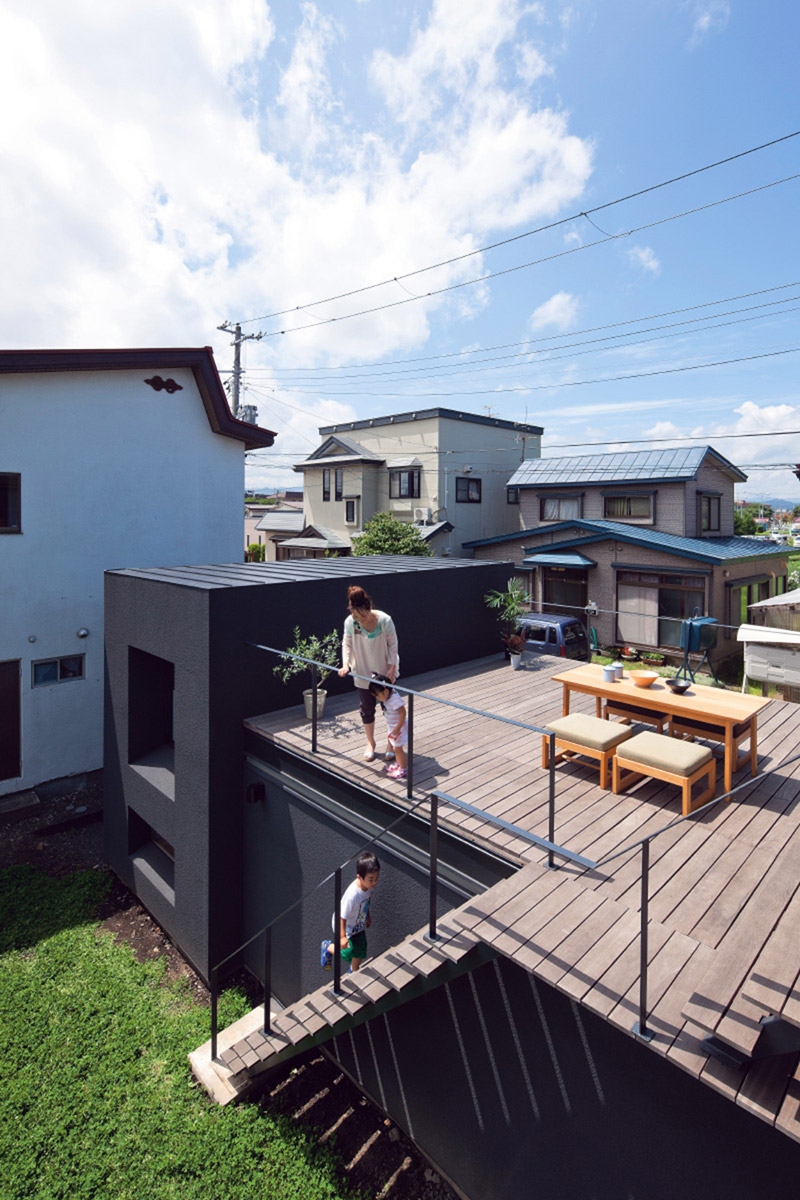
(366, 705)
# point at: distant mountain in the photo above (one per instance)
(773, 503)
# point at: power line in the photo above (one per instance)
(528, 233)
(535, 341)
(452, 287)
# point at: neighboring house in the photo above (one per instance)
(646, 537)
(440, 469)
(275, 527)
(255, 533)
(108, 458)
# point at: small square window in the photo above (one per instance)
(71, 668)
(45, 672)
(468, 490)
(404, 485)
(512, 495)
(350, 512)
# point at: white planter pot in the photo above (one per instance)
(516, 661)
(308, 700)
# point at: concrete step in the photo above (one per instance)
(19, 806)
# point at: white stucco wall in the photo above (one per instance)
(114, 475)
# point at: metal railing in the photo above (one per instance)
(411, 693)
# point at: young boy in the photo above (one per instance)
(394, 711)
(354, 918)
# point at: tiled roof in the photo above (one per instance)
(639, 466)
(277, 522)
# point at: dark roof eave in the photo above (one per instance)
(199, 360)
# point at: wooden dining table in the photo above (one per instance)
(717, 707)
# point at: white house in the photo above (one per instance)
(441, 469)
(108, 459)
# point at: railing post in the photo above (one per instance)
(640, 1027)
(434, 867)
(410, 748)
(337, 940)
(313, 708)
(213, 987)
(551, 803)
(267, 978)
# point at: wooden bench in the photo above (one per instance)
(659, 757)
(688, 728)
(632, 712)
(578, 736)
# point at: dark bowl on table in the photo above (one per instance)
(679, 685)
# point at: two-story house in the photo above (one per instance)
(645, 537)
(440, 469)
(108, 458)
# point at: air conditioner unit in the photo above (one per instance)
(422, 516)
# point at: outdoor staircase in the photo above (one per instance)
(400, 974)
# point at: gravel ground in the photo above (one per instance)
(66, 835)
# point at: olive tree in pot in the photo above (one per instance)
(325, 650)
(510, 605)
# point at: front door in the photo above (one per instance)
(565, 592)
(10, 726)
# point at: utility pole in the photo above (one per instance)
(238, 338)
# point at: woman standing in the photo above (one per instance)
(369, 646)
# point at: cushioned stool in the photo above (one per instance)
(690, 729)
(632, 712)
(659, 757)
(578, 736)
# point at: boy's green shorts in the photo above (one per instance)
(356, 947)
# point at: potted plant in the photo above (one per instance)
(325, 650)
(630, 654)
(510, 605)
(653, 658)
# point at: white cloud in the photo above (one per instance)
(305, 93)
(708, 17)
(531, 63)
(643, 256)
(558, 312)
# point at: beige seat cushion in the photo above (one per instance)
(593, 732)
(665, 753)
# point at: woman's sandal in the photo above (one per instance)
(369, 755)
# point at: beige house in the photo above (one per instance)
(443, 470)
(646, 538)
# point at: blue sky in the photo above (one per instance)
(174, 164)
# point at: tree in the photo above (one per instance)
(744, 522)
(796, 512)
(384, 534)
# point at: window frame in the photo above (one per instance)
(649, 519)
(512, 495)
(707, 501)
(326, 483)
(338, 483)
(58, 660)
(350, 511)
(543, 500)
(16, 495)
(468, 484)
(412, 483)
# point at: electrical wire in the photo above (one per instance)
(528, 233)
(452, 287)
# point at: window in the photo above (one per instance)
(560, 508)
(652, 606)
(339, 483)
(326, 483)
(628, 508)
(468, 490)
(404, 484)
(349, 512)
(10, 503)
(57, 670)
(512, 495)
(709, 514)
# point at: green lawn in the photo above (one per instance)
(96, 1098)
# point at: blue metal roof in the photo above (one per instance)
(638, 466)
(547, 559)
(712, 550)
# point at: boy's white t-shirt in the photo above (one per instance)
(354, 909)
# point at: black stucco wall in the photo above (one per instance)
(201, 620)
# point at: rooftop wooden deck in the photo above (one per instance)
(724, 886)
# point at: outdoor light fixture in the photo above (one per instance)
(82, 633)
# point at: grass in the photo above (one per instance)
(96, 1098)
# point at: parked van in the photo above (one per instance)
(546, 633)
